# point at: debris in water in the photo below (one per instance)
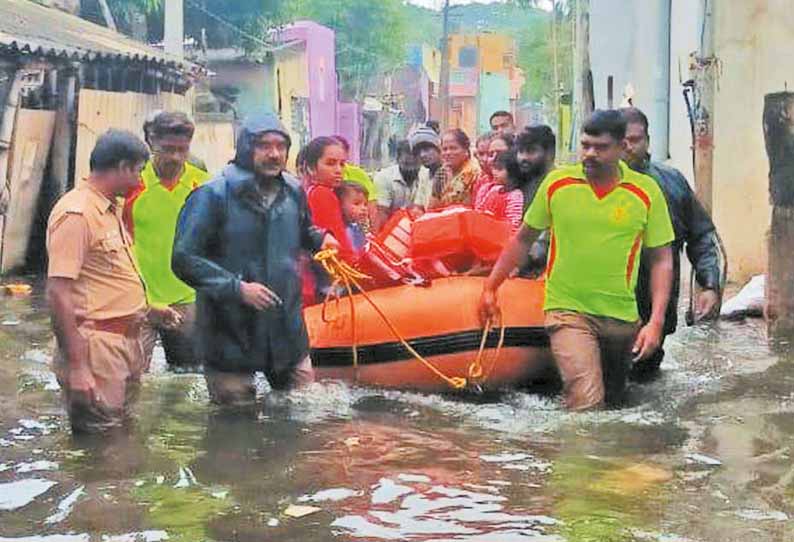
(36, 466)
(704, 459)
(760, 515)
(419, 478)
(299, 511)
(334, 494)
(272, 522)
(504, 458)
(17, 494)
(65, 506)
(17, 289)
(387, 491)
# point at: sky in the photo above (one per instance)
(436, 4)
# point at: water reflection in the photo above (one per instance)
(702, 454)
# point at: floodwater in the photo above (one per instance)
(702, 454)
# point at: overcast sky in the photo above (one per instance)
(436, 4)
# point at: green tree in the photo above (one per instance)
(370, 36)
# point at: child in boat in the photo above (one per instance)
(354, 201)
(503, 198)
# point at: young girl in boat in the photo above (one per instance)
(503, 198)
(354, 199)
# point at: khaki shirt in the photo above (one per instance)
(86, 242)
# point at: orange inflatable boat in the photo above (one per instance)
(440, 323)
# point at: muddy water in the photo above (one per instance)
(704, 453)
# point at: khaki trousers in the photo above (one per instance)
(593, 355)
(178, 343)
(116, 363)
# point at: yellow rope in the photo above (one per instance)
(344, 274)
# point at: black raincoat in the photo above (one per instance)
(225, 235)
(693, 227)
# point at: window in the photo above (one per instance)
(467, 57)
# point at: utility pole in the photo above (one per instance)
(779, 139)
(443, 94)
(556, 66)
(703, 73)
(174, 31)
(107, 15)
(583, 76)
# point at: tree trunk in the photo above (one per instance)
(778, 124)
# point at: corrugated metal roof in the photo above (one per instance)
(28, 27)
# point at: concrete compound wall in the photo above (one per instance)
(753, 41)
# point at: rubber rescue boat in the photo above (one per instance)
(429, 338)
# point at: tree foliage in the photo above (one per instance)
(370, 36)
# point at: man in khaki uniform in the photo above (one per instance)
(96, 296)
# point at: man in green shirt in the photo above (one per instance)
(600, 214)
(150, 214)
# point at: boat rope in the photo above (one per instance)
(344, 275)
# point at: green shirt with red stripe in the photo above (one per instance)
(150, 214)
(596, 239)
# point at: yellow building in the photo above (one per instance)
(483, 78)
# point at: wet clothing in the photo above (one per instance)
(239, 388)
(178, 344)
(596, 239)
(88, 244)
(694, 228)
(226, 234)
(116, 361)
(593, 355)
(150, 214)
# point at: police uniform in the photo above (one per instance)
(88, 244)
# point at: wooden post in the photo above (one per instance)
(703, 73)
(443, 95)
(63, 138)
(7, 121)
(583, 76)
(778, 124)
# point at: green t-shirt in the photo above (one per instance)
(355, 174)
(596, 240)
(150, 213)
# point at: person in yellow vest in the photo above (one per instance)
(150, 214)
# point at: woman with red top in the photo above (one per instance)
(497, 144)
(323, 160)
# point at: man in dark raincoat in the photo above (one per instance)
(238, 241)
(693, 227)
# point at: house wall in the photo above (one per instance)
(252, 82)
(753, 43)
(494, 96)
(319, 71)
(629, 41)
(751, 39)
(291, 97)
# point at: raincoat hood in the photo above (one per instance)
(255, 124)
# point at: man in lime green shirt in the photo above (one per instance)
(600, 214)
(150, 214)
